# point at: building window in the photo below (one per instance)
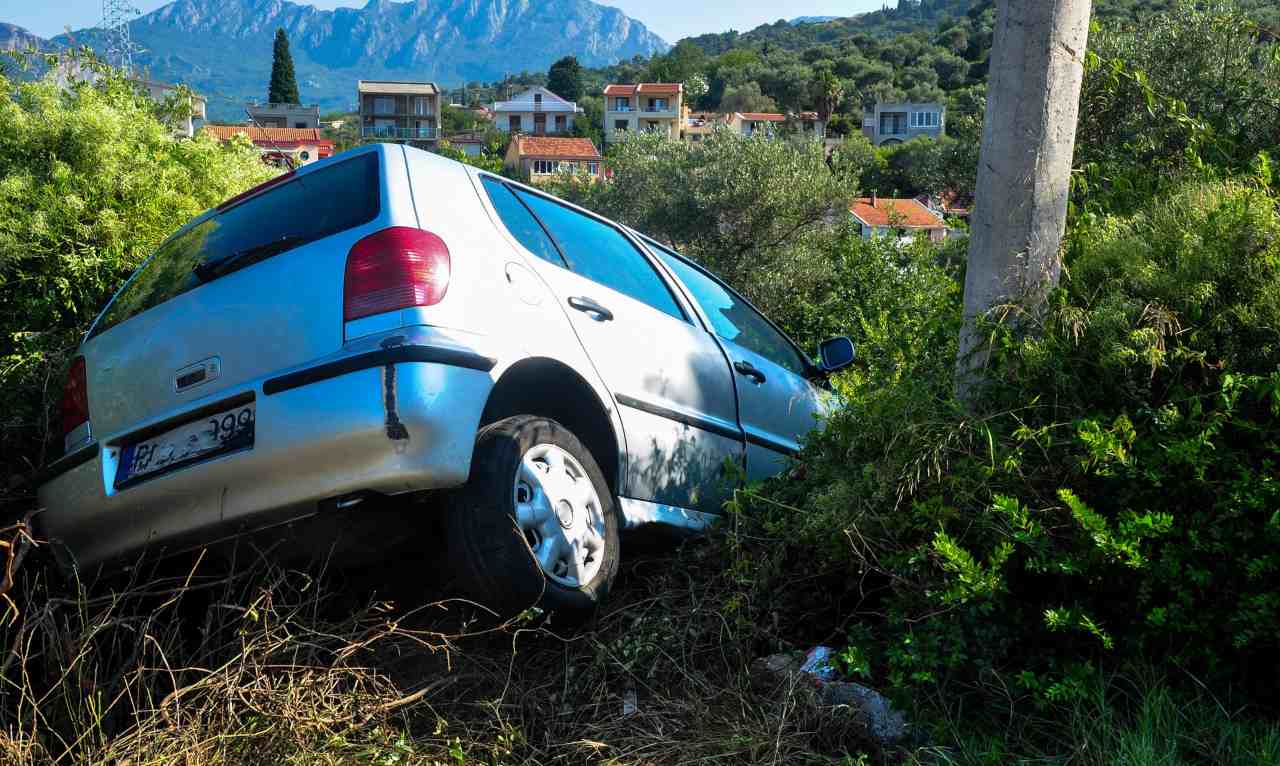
(513, 123)
(593, 168)
(657, 104)
(544, 167)
(299, 124)
(537, 99)
(560, 123)
(893, 124)
(304, 155)
(384, 105)
(620, 125)
(621, 105)
(420, 107)
(924, 119)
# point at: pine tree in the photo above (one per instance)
(565, 78)
(284, 87)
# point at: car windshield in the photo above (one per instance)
(300, 210)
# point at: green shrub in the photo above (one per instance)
(91, 181)
(1112, 494)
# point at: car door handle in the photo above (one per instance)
(749, 369)
(588, 306)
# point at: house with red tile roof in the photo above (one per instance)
(901, 217)
(279, 146)
(648, 106)
(810, 124)
(542, 157)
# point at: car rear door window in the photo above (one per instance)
(520, 222)
(302, 209)
(733, 318)
(603, 254)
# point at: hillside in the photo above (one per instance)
(223, 47)
(927, 16)
(15, 38)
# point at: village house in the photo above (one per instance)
(161, 91)
(903, 218)
(399, 111)
(648, 106)
(810, 124)
(889, 124)
(767, 124)
(470, 144)
(275, 115)
(541, 157)
(537, 111)
(279, 146)
(697, 125)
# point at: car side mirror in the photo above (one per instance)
(835, 354)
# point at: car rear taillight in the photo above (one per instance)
(395, 268)
(75, 398)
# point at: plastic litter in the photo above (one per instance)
(817, 663)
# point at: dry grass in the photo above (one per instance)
(263, 664)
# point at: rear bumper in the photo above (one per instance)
(390, 420)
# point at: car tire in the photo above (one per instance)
(536, 523)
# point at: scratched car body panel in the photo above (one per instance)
(266, 364)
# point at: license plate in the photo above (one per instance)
(188, 443)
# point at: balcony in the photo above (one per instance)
(662, 110)
(621, 109)
(403, 134)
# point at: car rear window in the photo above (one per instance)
(300, 210)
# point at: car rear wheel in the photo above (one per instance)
(536, 523)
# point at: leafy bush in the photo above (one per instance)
(91, 181)
(1190, 89)
(1111, 495)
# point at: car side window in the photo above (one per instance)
(732, 318)
(603, 254)
(520, 222)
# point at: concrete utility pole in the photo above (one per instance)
(1028, 138)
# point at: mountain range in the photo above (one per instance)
(222, 48)
(15, 38)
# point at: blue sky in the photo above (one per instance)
(672, 19)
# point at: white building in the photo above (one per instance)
(896, 123)
(536, 111)
(651, 107)
(275, 115)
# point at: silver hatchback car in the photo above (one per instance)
(389, 323)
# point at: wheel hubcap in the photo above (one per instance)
(560, 514)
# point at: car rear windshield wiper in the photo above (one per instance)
(206, 271)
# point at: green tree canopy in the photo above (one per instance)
(284, 85)
(746, 98)
(565, 78)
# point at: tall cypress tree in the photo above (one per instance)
(284, 87)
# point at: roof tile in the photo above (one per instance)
(906, 213)
(267, 135)
(556, 148)
(659, 88)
